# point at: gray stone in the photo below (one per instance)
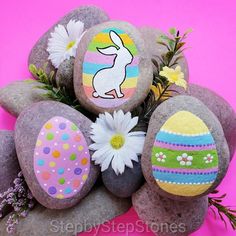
(220, 107)
(150, 36)
(19, 95)
(89, 15)
(123, 185)
(97, 208)
(8, 162)
(28, 127)
(166, 217)
(101, 88)
(64, 76)
(160, 116)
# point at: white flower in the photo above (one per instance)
(64, 41)
(160, 157)
(184, 159)
(208, 158)
(114, 143)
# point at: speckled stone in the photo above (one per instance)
(123, 185)
(19, 95)
(8, 161)
(150, 36)
(28, 126)
(220, 107)
(89, 15)
(161, 115)
(166, 217)
(64, 76)
(145, 74)
(97, 208)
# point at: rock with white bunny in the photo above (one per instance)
(112, 68)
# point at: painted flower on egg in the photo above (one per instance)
(61, 158)
(188, 149)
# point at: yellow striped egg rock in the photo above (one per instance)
(184, 156)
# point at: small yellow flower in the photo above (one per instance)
(174, 76)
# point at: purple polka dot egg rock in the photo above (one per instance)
(112, 68)
(185, 153)
(52, 142)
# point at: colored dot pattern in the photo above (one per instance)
(61, 158)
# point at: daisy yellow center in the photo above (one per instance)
(70, 45)
(117, 141)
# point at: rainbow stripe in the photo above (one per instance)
(95, 61)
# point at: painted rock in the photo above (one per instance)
(185, 154)
(52, 146)
(123, 185)
(150, 36)
(97, 208)
(112, 69)
(220, 107)
(8, 162)
(89, 15)
(167, 217)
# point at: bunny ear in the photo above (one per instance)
(116, 39)
(108, 50)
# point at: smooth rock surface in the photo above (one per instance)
(9, 165)
(160, 116)
(97, 208)
(220, 107)
(89, 15)
(150, 35)
(19, 95)
(28, 128)
(166, 217)
(112, 68)
(123, 185)
(64, 76)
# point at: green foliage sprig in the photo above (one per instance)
(215, 204)
(160, 89)
(53, 91)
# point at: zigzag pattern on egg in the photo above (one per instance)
(184, 156)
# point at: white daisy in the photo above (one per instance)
(208, 158)
(160, 157)
(64, 41)
(114, 143)
(184, 159)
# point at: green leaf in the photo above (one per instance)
(155, 63)
(33, 69)
(162, 37)
(172, 31)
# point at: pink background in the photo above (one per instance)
(211, 55)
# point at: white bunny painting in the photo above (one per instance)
(111, 78)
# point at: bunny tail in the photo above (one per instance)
(95, 94)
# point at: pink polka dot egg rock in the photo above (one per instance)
(52, 147)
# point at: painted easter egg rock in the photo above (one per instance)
(185, 153)
(112, 69)
(184, 156)
(61, 158)
(52, 147)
